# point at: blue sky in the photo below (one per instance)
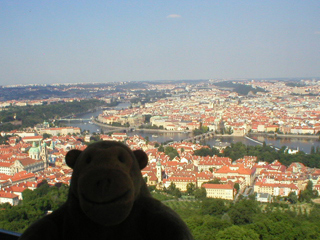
(104, 41)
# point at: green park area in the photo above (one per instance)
(207, 218)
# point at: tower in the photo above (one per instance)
(44, 155)
(159, 171)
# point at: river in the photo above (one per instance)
(304, 144)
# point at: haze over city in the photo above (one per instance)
(217, 104)
(104, 41)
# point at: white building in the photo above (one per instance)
(6, 197)
(223, 191)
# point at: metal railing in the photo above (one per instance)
(9, 235)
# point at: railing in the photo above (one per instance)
(8, 235)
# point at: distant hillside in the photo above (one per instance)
(239, 88)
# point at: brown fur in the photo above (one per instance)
(108, 199)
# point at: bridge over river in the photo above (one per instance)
(199, 137)
(74, 119)
(196, 138)
(210, 135)
(260, 143)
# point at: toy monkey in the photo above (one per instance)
(108, 199)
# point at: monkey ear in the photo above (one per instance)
(142, 158)
(72, 156)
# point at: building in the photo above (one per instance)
(31, 139)
(22, 177)
(264, 197)
(6, 168)
(276, 189)
(7, 197)
(223, 191)
(180, 182)
(236, 171)
(34, 152)
(61, 131)
(27, 164)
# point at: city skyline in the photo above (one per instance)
(75, 42)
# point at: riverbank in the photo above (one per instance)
(136, 129)
(285, 135)
(274, 135)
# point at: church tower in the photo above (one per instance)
(159, 171)
(44, 155)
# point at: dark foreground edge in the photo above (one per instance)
(8, 235)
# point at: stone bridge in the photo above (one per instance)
(200, 137)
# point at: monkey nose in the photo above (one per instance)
(103, 186)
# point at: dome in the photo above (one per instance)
(34, 149)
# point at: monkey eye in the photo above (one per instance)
(122, 159)
(88, 159)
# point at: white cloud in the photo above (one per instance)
(174, 16)
(317, 32)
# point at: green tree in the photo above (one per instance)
(177, 193)
(42, 189)
(46, 135)
(243, 212)
(308, 193)
(171, 152)
(173, 190)
(292, 198)
(205, 227)
(215, 181)
(35, 205)
(237, 187)
(309, 186)
(236, 151)
(200, 193)
(213, 206)
(279, 225)
(205, 151)
(312, 150)
(202, 129)
(32, 115)
(161, 148)
(237, 233)
(28, 195)
(191, 188)
(171, 187)
(4, 139)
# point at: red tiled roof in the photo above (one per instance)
(8, 195)
(182, 179)
(217, 186)
(27, 161)
(6, 164)
(17, 189)
(21, 176)
(4, 177)
(32, 138)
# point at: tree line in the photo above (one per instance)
(264, 153)
(34, 206)
(241, 89)
(208, 219)
(32, 115)
(219, 219)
